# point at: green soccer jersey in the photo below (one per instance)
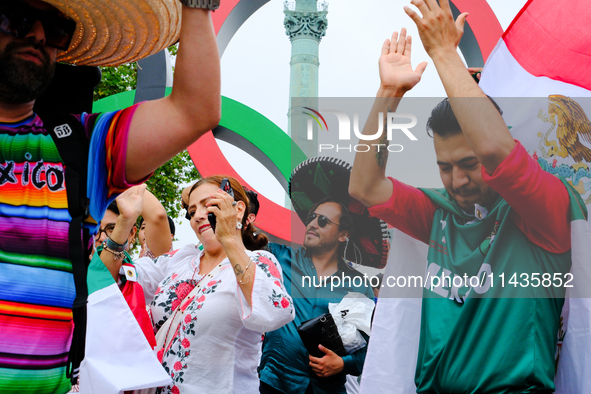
(495, 281)
(481, 331)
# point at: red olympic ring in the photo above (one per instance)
(208, 158)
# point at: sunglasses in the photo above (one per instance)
(322, 220)
(18, 18)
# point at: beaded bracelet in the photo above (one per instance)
(116, 255)
(241, 281)
(115, 248)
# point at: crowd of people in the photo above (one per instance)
(225, 314)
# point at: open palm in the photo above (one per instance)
(396, 72)
(130, 202)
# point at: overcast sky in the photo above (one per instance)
(255, 70)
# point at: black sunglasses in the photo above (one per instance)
(18, 18)
(322, 220)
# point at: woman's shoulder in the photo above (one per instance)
(261, 255)
(259, 252)
(189, 250)
(172, 260)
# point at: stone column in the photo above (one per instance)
(305, 24)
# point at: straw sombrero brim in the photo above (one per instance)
(115, 32)
(320, 177)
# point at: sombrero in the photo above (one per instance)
(320, 177)
(114, 32)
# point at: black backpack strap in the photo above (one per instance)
(72, 144)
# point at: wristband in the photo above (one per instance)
(116, 255)
(211, 5)
(114, 246)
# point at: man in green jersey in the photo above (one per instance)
(492, 218)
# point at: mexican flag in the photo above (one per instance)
(539, 69)
(539, 75)
(118, 356)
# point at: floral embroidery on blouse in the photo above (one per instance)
(172, 296)
(179, 347)
(196, 341)
(268, 266)
(279, 300)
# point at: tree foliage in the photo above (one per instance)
(166, 183)
(116, 80)
(167, 180)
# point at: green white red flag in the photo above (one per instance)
(118, 356)
(544, 56)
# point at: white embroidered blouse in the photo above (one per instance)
(201, 355)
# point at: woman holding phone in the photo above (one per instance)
(202, 298)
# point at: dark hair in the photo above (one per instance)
(345, 221)
(113, 207)
(443, 121)
(171, 225)
(253, 201)
(251, 241)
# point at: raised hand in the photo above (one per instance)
(130, 202)
(228, 214)
(396, 73)
(437, 29)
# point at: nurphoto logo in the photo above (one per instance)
(394, 122)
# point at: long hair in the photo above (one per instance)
(346, 222)
(251, 241)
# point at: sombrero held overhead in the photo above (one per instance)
(114, 32)
(320, 177)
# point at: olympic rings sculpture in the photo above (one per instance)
(247, 129)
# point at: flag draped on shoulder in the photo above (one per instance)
(538, 74)
(540, 69)
(118, 356)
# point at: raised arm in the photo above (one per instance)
(481, 123)
(162, 128)
(130, 205)
(368, 182)
(158, 236)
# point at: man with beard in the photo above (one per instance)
(500, 214)
(286, 366)
(36, 281)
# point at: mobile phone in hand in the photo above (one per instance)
(225, 186)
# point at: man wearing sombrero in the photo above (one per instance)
(492, 221)
(36, 280)
(339, 235)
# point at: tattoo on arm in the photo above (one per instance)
(238, 270)
(382, 148)
(382, 151)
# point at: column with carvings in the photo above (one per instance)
(305, 24)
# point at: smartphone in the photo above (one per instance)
(225, 186)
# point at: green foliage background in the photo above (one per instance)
(167, 180)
